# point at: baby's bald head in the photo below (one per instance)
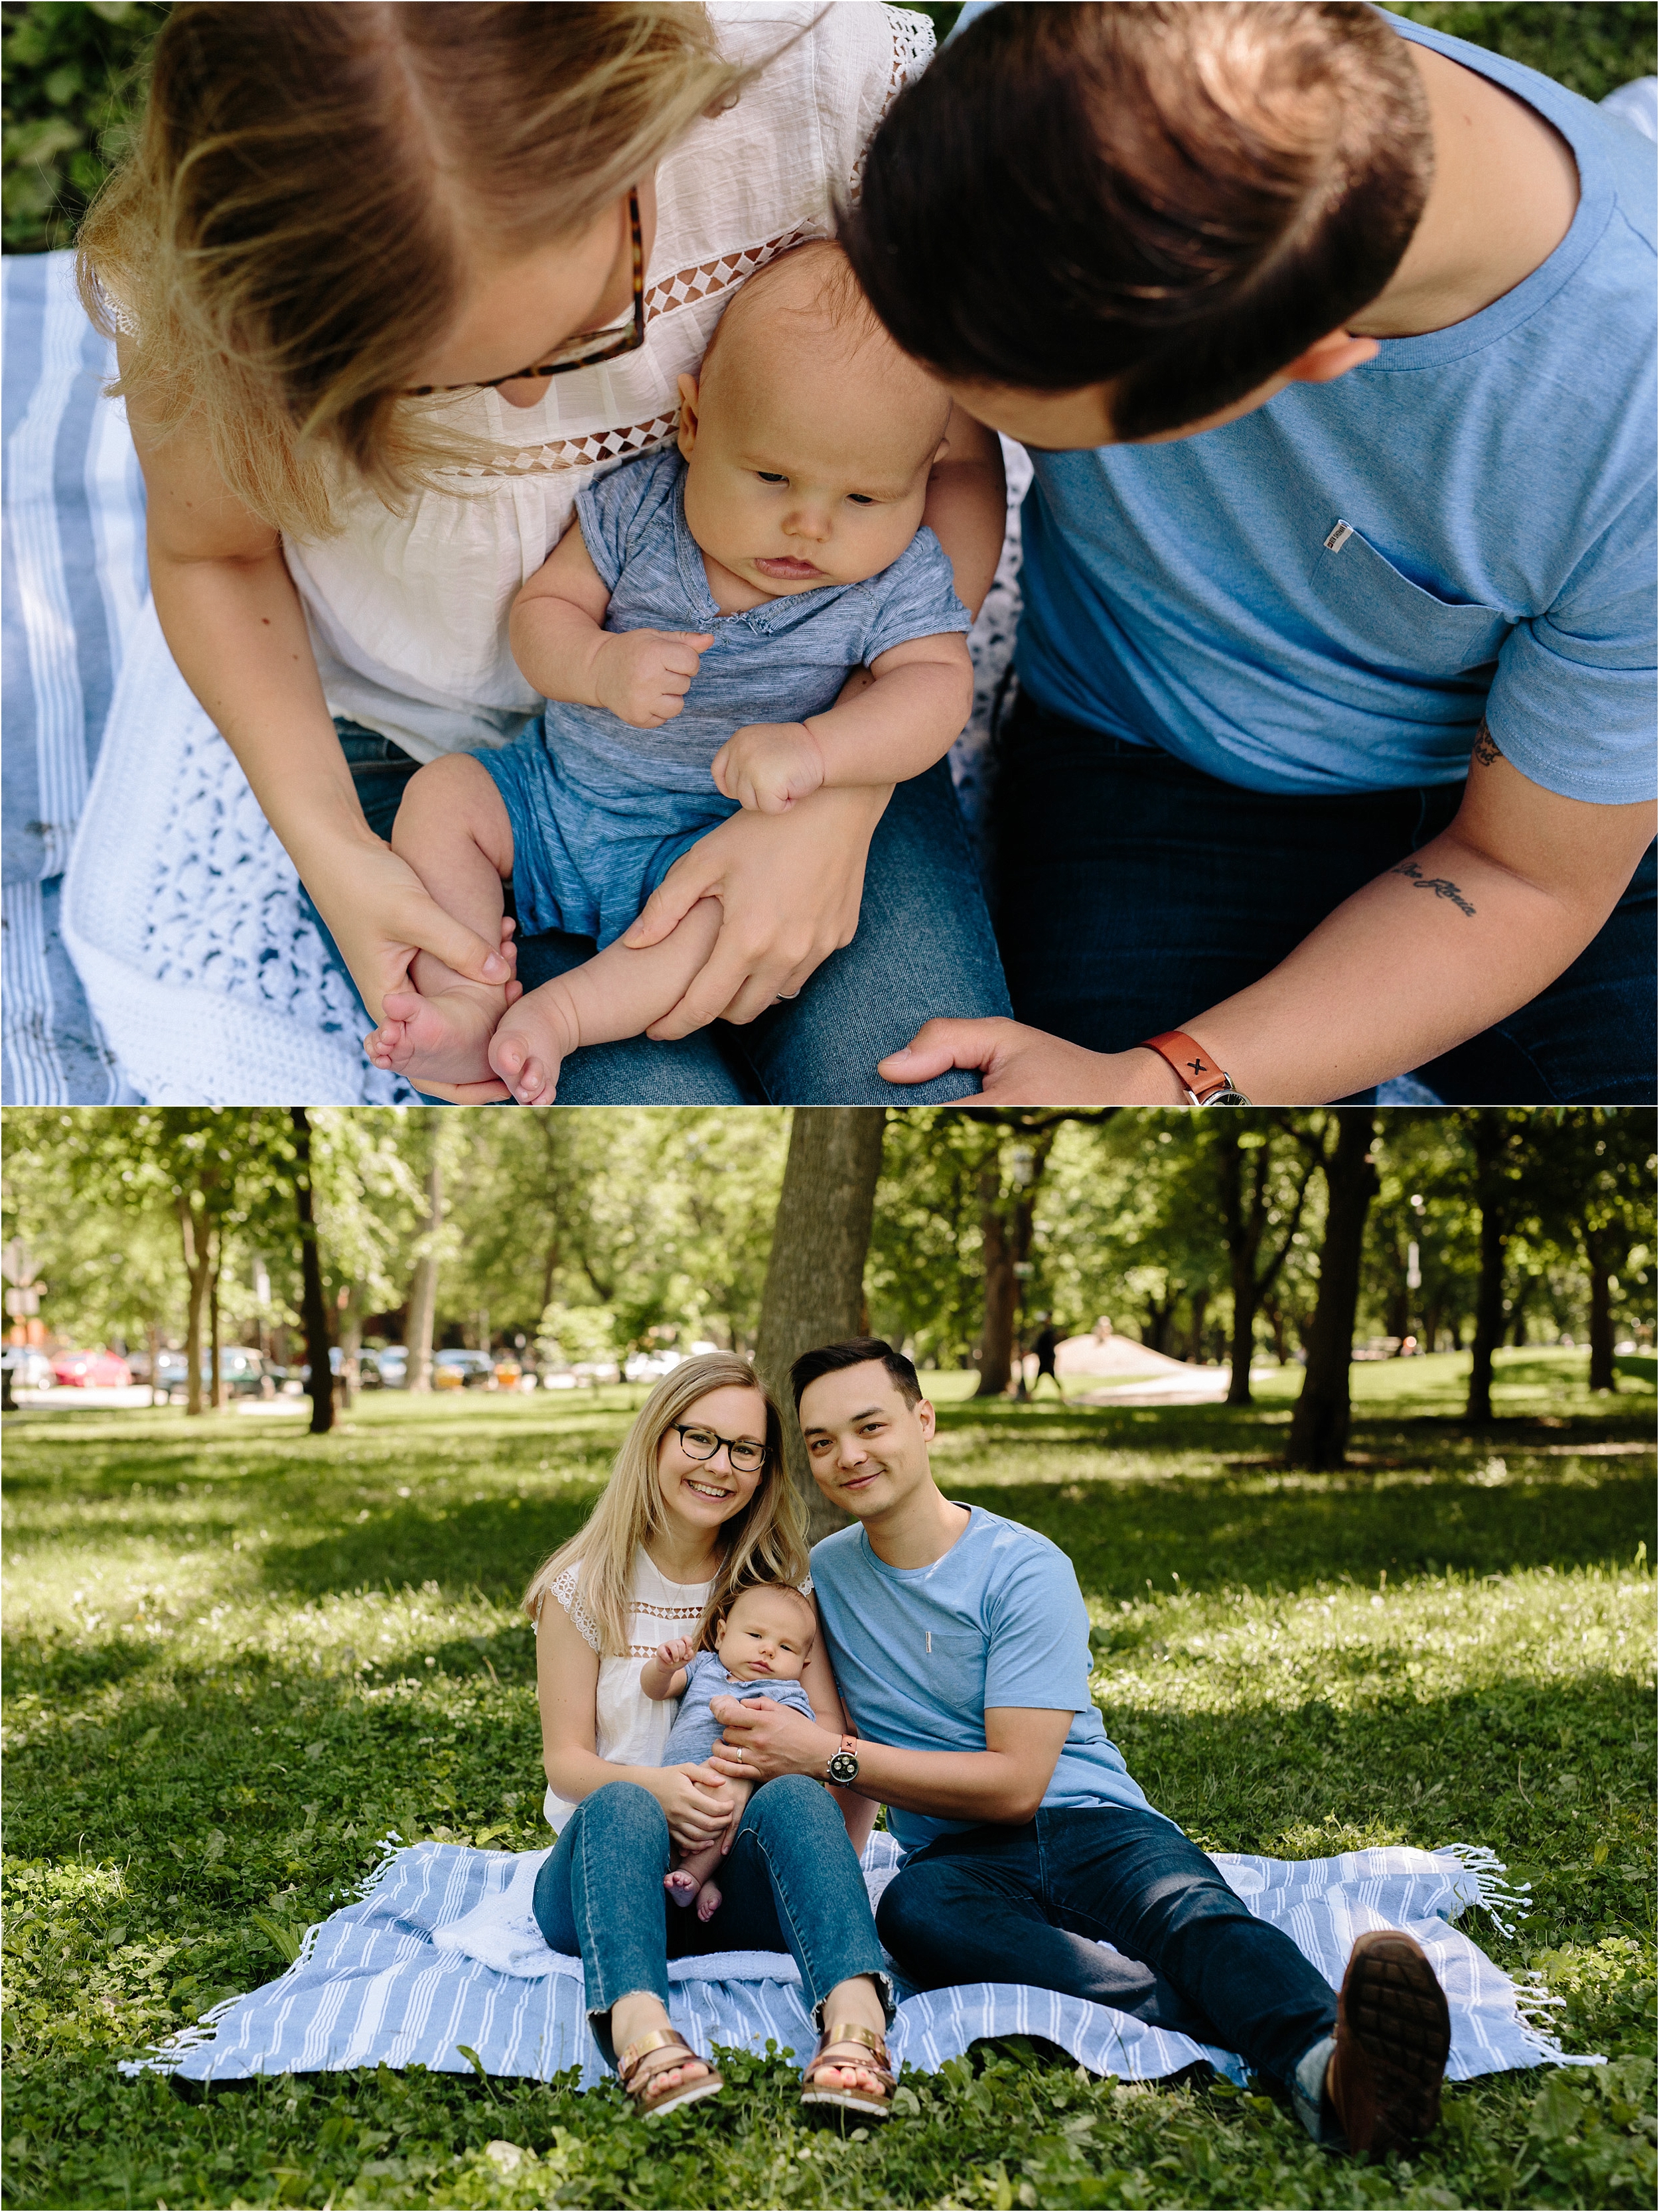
(806, 312)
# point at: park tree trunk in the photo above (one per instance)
(423, 1288)
(313, 1307)
(1001, 1284)
(1487, 1137)
(195, 1229)
(1244, 1208)
(350, 1307)
(814, 1289)
(1598, 1259)
(216, 1365)
(1319, 1424)
(1200, 1307)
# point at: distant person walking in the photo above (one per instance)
(1047, 1344)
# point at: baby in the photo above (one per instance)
(762, 1643)
(717, 597)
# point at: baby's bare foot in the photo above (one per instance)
(708, 1901)
(532, 1043)
(681, 1887)
(444, 1038)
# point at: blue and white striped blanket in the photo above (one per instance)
(384, 1981)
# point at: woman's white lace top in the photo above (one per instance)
(629, 1727)
(408, 611)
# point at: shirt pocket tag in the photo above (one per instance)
(1375, 616)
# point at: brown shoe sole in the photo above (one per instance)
(1393, 2037)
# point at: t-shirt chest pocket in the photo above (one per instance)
(1386, 621)
(949, 1666)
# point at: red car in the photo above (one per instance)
(92, 1370)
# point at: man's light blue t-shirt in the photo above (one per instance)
(1495, 481)
(919, 1652)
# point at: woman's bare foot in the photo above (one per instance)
(533, 1041)
(681, 1887)
(444, 1038)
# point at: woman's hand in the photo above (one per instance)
(789, 887)
(696, 1803)
(382, 915)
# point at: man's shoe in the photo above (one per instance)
(1393, 2035)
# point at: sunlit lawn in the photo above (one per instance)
(237, 1656)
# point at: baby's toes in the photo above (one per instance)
(708, 1901)
(681, 1888)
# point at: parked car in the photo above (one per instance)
(91, 1370)
(387, 1369)
(650, 1366)
(242, 1373)
(463, 1370)
(29, 1370)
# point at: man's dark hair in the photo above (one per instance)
(856, 1352)
(1182, 196)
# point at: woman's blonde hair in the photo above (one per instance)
(313, 184)
(765, 1543)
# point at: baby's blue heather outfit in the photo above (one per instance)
(696, 1731)
(600, 811)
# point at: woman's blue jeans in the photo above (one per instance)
(924, 946)
(791, 1880)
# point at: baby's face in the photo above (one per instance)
(768, 1635)
(805, 467)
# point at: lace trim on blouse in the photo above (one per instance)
(568, 1589)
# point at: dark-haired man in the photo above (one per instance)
(1333, 339)
(961, 1649)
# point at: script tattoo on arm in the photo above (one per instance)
(1486, 747)
(1442, 886)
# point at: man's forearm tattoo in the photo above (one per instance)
(1442, 886)
(1487, 747)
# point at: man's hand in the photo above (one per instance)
(773, 1739)
(768, 766)
(1024, 1066)
(642, 676)
(789, 887)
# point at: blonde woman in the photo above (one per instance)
(390, 283)
(699, 1502)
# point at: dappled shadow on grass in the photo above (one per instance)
(488, 1546)
(1236, 1531)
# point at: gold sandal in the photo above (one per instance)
(636, 2084)
(868, 2104)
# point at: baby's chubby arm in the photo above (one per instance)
(664, 1673)
(896, 727)
(640, 676)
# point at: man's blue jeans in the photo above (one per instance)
(1028, 1903)
(791, 1881)
(924, 946)
(1134, 891)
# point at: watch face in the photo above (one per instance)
(1228, 1097)
(843, 1767)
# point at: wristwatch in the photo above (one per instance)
(1202, 1083)
(844, 1763)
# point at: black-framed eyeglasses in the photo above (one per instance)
(631, 342)
(743, 1454)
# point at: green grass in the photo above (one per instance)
(235, 1656)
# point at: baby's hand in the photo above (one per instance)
(678, 1652)
(769, 766)
(640, 676)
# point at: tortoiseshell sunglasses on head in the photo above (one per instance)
(631, 340)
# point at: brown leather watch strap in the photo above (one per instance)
(1200, 1076)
